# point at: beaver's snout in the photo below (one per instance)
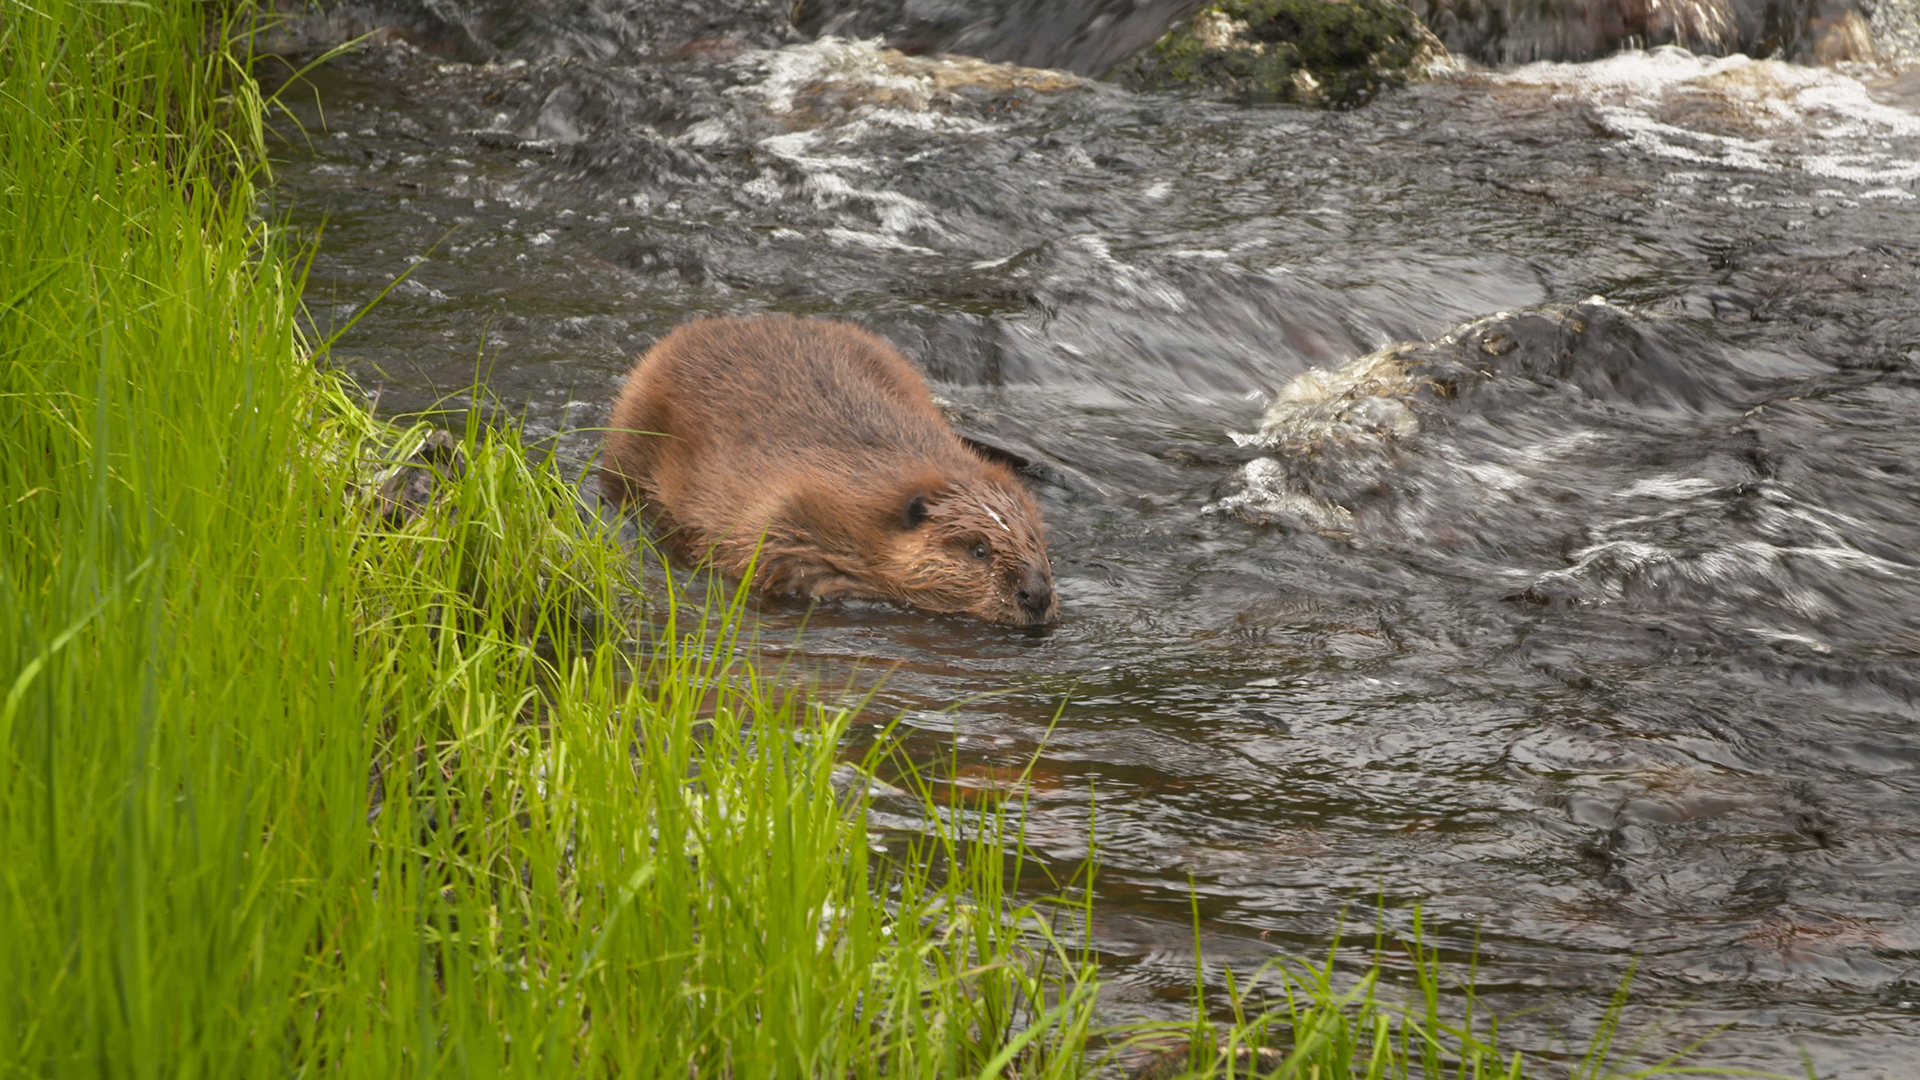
(1036, 595)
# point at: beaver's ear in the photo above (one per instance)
(915, 511)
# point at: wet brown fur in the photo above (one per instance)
(811, 452)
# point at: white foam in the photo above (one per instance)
(1863, 169)
(898, 214)
(860, 87)
(1493, 476)
(838, 96)
(1267, 496)
(1646, 73)
(708, 132)
(1685, 144)
(1141, 285)
(798, 147)
(828, 61)
(1815, 120)
(1667, 487)
(765, 187)
(875, 241)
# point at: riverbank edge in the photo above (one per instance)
(329, 745)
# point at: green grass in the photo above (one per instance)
(283, 789)
(288, 790)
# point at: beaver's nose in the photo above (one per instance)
(1036, 596)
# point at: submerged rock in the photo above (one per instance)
(1333, 52)
(1443, 441)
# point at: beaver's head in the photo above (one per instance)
(975, 546)
(964, 540)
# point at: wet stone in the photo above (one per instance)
(406, 494)
(1333, 52)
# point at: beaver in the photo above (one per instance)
(808, 453)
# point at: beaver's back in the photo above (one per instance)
(721, 412)
(797, 386)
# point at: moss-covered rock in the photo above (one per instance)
(1334, 52)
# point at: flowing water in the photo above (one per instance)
(1588, 619)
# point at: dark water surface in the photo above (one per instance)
(1593, 626)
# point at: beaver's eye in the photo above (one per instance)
(981, 550)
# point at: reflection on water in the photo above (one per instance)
(1592, 625)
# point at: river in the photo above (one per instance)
(1588, 619)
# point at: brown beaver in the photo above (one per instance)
(810, 453)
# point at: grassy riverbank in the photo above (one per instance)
(290, 787)
(284, 788)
